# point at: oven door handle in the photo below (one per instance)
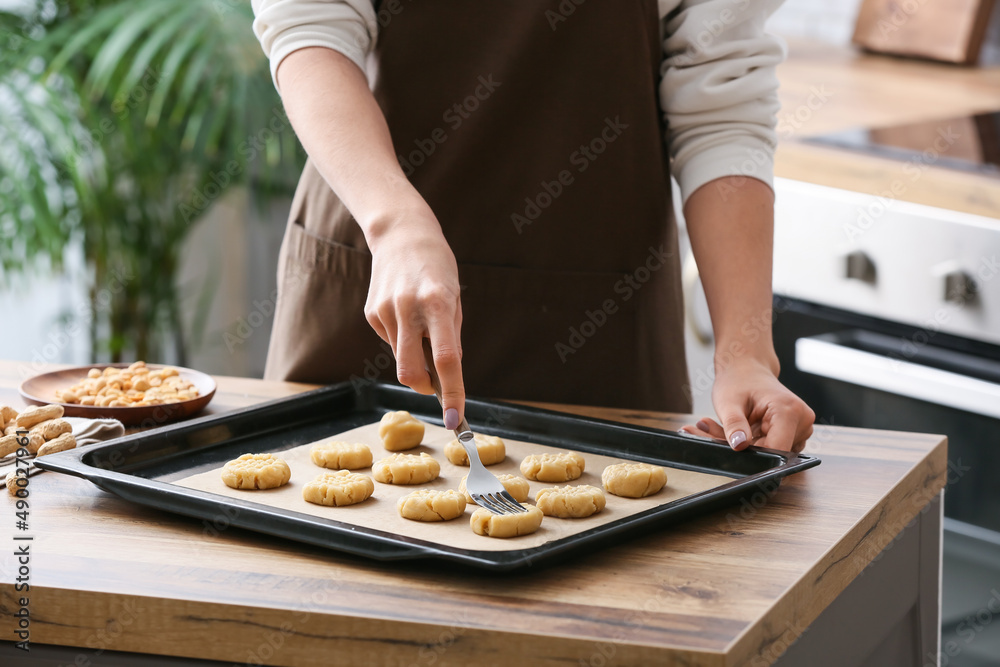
(823, 355)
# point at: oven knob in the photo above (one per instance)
(860, 267)
(959, 287)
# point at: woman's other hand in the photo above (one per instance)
(755, 408)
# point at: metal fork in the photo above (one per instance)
(482, 485)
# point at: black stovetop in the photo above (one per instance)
(967, 143)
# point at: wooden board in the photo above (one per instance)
(948, 30)
(732, 588)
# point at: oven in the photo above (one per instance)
(887, 315)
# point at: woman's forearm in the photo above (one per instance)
(343, 130)
(731, 225)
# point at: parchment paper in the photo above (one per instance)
(379, 511)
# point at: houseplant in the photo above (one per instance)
(124, 120)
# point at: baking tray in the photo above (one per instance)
(141, 467)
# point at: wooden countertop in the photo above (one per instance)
(827, 88)
(727, 589)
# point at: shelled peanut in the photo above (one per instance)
(136, 385)
(42, 425)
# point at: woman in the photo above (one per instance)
(503, 189)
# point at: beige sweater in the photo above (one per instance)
(718, 88)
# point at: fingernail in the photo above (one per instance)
(451, 419)
(703, 425)
(737, 439)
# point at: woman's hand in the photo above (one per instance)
(756, 409)
(414, 294)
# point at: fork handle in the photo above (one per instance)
(463, 426)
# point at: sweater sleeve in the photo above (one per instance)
(349, 27)
(719, 90)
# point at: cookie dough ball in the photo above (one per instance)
(400, 430)
(485, 522)
(516, 486)
(633, 480)
(562, 467)
(406, 469)
(491, 451)
(337, 455)
(570, 502)
(256, 471)
(337, 489)
(431, 505)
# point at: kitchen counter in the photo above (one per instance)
(736, 587)
(827, 88)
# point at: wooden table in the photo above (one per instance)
(733, 588)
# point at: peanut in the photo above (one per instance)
(35, 441)
(52, 428)
(126, 387)
(37, 414)
(13, 428)
(62, 443)
(11, 482)
(7, 415)
(8, 445)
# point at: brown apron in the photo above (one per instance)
(536, 136)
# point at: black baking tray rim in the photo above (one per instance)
(127, 467)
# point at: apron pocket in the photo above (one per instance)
(307, 252)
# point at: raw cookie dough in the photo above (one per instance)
(406, 469)
(337, 455)
(431, 505)
(485, 522)
(337, 489)
(256, 471)
(491, 451)
(400, 430)
(516, 486)
(562, 467)
(570, 502)
(633, 480)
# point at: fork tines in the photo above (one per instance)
(499, 503)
